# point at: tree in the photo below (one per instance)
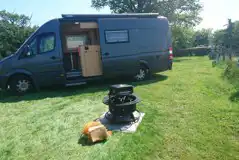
(220, 37)
(202, 37)
(235, 36)
(182, 37)
(180, 12)
(228, 39)
(14, 29)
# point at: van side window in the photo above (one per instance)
(119, 36)
(47, 43)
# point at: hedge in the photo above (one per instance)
(196, 51)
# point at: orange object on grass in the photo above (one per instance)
(109, 133)
(88, 125)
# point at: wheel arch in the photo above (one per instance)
(25, 73)
(144, 63)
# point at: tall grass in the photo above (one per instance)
(231, 73)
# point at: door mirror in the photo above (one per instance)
(30, 49)
(27, 51)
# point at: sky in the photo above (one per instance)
(215, 12)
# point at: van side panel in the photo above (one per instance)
(148, 39)
(152, 47)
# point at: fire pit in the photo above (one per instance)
(122, 104)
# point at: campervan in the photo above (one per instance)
(76, 48)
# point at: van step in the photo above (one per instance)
(75, 83)
(73, 74)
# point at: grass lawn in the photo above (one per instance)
(191, 113)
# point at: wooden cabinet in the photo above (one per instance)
(91, 63)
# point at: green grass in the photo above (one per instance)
(190, 114)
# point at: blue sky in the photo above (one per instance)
(214, 14)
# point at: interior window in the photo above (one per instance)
(47, 43)
(74, 41)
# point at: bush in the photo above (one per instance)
(231, 73)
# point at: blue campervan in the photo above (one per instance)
(76, 48)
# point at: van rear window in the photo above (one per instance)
(119, 36)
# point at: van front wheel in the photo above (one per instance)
(20, 84)
(142, 74)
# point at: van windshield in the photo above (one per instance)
(23, 44)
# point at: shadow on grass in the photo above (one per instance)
(234, 97)
(61, 91)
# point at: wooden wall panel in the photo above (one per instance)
(91, 63)
(89, 25)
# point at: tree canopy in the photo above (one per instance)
(179, 12)
(14, 29)
(202, 37)
(220, 37)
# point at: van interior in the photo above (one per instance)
(81, 49)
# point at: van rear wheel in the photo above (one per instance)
(20, 84)
(142, 74)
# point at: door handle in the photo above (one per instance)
(53, 57)
(106, 54)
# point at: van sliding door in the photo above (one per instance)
(117, 49)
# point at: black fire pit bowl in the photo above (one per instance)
(122, 103)
(121, 88)
(119, 108)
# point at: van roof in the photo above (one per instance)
(97, 16)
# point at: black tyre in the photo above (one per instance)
(142, 74)
(20, 84)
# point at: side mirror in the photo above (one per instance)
(26, 51)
